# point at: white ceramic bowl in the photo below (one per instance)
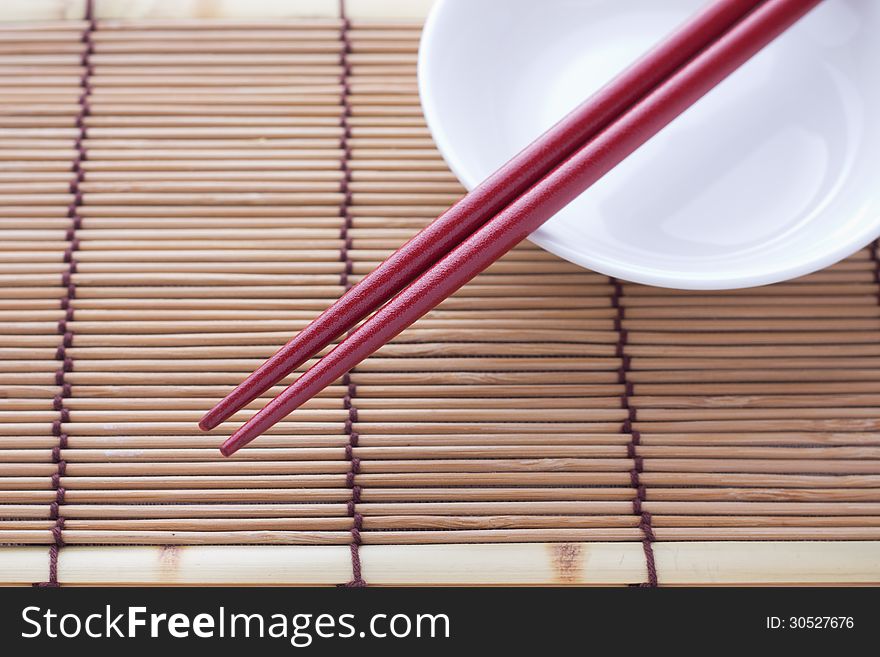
(774, 174)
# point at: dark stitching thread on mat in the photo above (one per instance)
(351, 482)
(64, 361)
(345, 184)
(357, 579)
(635, 437)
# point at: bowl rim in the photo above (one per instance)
(855, 241)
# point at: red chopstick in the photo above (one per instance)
(567, 181)
(486, 200)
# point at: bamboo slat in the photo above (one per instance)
(542, 426)
(707, 563)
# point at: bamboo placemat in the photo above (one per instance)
(179, 196)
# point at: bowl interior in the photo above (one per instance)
(771, 175)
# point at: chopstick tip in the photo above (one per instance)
(244, 435)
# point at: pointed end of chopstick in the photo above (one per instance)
(235, 442)
(255, 384)
(239, 439)
(276, 410)
(221, 412)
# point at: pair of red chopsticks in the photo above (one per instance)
(512, 202)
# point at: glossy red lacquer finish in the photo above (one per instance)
(541, 201)
(486, 200)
